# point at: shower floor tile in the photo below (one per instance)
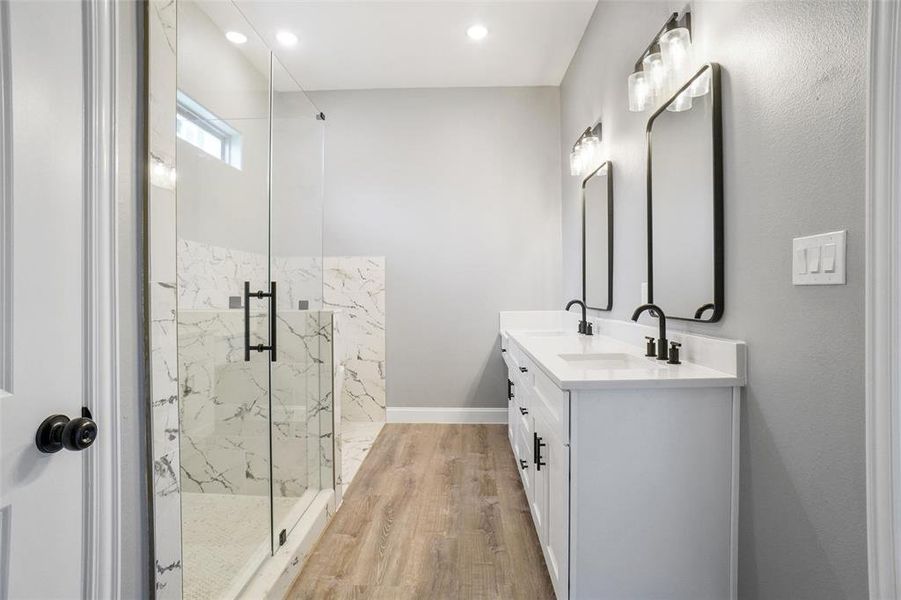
(225, 537)
(357, 438)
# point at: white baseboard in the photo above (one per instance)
(429, 414)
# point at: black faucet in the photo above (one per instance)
(662, 353)
(584, 325)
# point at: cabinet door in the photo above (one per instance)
(524, 461)
(538, 503)
(512, 411)
(556, 540)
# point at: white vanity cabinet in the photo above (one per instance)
(538, 430)
(631, 477)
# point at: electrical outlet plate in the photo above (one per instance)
(819, 259)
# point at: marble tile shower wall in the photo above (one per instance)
(208, 275)
(161, 296)
(225, 404)
(354, 287)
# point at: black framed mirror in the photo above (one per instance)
(597, 238)
(685, 201)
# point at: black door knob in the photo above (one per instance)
(59, 431)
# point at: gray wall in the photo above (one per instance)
(794, 91)
(459, 189)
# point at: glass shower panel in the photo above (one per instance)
(302, 441)
(223, 132)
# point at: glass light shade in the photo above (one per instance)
(701, 85)
(576, 160)
(657, 74)
(675, 48)
(574, 167)
(681, 103)
(591, 147)
(640, 92)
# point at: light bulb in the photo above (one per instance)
(680, 103)
(657, 75)
(286, 38)
(676, 50)
(701, 85)
(639, 91)
(162, 175)
(236, 37)
(477, 32)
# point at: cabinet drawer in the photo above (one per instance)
(523, 408)
(551, 405)
(522, 363)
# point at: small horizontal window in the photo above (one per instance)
(202, 129)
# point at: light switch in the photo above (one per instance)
(829, 258)
(813, 259)
(819, 259)
(801, 261)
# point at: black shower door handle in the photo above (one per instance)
(273, 317)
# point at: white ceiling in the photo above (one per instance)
(367, 44)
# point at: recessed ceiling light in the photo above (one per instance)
(477, 32)
(235, 37)
(286, 38)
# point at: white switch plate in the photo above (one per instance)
(819, 259)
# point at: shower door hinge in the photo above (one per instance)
(282, 537)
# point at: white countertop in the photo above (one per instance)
(545, 348)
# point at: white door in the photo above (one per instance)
(49, 311)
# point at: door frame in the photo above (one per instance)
(6, 206)
(101, 521)
(883, 302)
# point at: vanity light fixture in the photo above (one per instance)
(286, 38)
(664, 66)
(585, 155)
(236, 37)
(477, 32)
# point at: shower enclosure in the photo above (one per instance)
(254, 346)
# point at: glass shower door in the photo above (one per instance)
(223, 142)
(254, 346)
(302, 438)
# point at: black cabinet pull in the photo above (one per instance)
(523, 464)
(509, 390)
(273, 318)
(523, 370)
(524, 411)
(537, 445)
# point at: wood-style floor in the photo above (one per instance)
(436, 511)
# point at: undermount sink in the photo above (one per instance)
(547, 333)
(611, 360)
